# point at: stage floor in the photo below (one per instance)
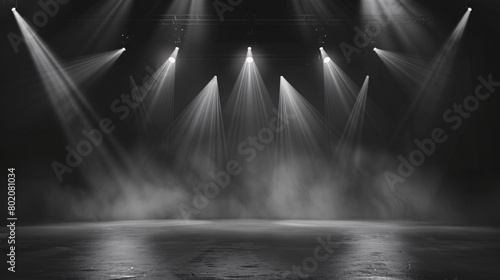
(251, 249)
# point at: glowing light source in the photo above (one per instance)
(124, 49)
(14, 9)
(249, 48)
(321, 48)
(327, 59)
(374, 49)
(469, 9)
(172, 60)
(249, 59)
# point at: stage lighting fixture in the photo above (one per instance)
(124, 49)
(374, 49)
(171, 59)
(327, 59)
(13, 9)
(249, 48)
(469, 9)
(249, 59)
(176, 48)
(321, 48)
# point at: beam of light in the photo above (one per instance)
(87, 70)
(352, 134)
(198, 135)
(155, 100)
(340, 95)
(409, 71)
(111, 15)
(248, 115)
(327, 59)
(72, 109)
(380, 9)
(159, 92)
(70, 104)
(249, 107)
(431, 91)
(399, 22)
(305, 130)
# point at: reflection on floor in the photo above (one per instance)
(252, 249)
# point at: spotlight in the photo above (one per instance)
(249, 59)
(327, 59)
(14, 9)
(469, 9)
(171, 59)
(374, 49)
(176, 48)
(124, 49)
(249, 48)
(321, 48)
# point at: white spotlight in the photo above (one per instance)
(124, 49)
(171, 59)
(249, 59)
(374, 49)
(321, 48)
(176, 48)
(13, 9)
(249, 48)
(327, 59)
(469, 9)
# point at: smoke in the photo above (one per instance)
(353, 187)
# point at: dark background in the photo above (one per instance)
(32, 138)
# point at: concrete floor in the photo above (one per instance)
(251, 249)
